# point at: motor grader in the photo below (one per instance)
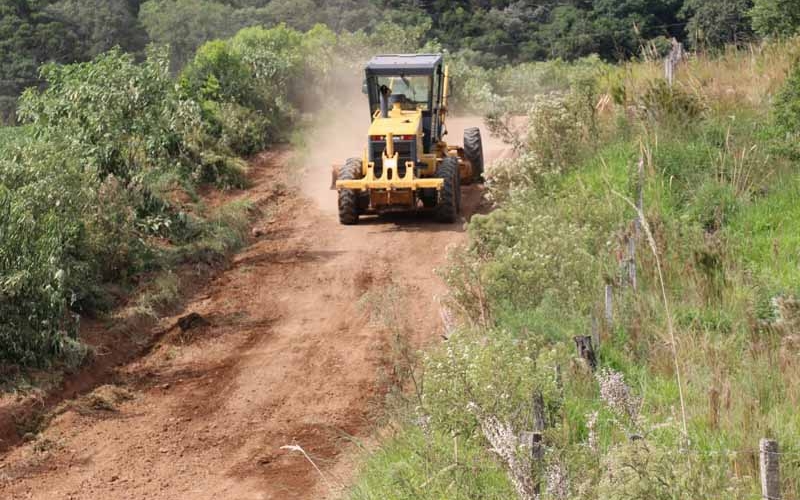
(407, 166)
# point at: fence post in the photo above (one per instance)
(769, 462)
(672, 60)
(632, 261)
(534, 439)
(609, 298)
(639, 196)
(669, 69)
(586, 350)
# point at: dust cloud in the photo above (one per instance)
(339, 132)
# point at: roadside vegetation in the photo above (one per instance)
(687, 379)
(100, 183)
(99, 186)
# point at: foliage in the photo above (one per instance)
(419, 465)
(775, 17)
(488, 35)
(716, 24)
(720, 195)
(86, 185)
(557, 129)
(123, 118)
(244, 85)
(638, 471)
(787, 102)
(33, 32)
(100, 25)
(532, 256)
(664, 102)
(184, 25)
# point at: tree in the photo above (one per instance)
(718, 22)
(100, 25)
(776, 17)
(184, 25)
(29, 37)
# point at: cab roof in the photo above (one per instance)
(392, 64)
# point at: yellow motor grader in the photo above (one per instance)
(407, 165)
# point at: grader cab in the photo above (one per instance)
(407, 165)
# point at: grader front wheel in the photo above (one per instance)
(348, 199)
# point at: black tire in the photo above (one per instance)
(348, 199)
(473, 151)
(447, 209)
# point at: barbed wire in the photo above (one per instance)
(574, 37)
(723, 452)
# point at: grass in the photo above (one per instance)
(766, 237)
(721, 195)
(163, 292)
(412, 464)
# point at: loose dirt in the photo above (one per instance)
(289, 356)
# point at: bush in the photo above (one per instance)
(41, 269)
(245, 85)
(640, 471)
(85, 186)
(787, 102)
(218, 74)
(533, 253)
(551, 145)
(661, 102)
(242, 130)
(123, 118)
(778, 18)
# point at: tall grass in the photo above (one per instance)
(707, 377)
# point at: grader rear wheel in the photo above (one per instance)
(473, 151)
(348, 199)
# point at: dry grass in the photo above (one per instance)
(726, 80)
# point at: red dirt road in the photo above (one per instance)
(289, 357)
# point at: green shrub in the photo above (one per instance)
(219, 74)
(243, 130)
(550, 146)
(121, 117)
(85, 186)
(533, 253)
(787, 103)
(37, 236)
(416, 464)
(713, 205)
(641, 471)
(661, 102)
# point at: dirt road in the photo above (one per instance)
(289, 356)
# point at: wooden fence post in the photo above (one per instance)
(632, 261)
(586, 350)
(672, 60)
(534, 439)
(769, 462)
(639, 195)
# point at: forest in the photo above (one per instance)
(489, 33)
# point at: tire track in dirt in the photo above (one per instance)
(288, 357)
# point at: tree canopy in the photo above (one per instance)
(492, 32)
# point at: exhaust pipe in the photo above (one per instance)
(385, 92)
(390, 145)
